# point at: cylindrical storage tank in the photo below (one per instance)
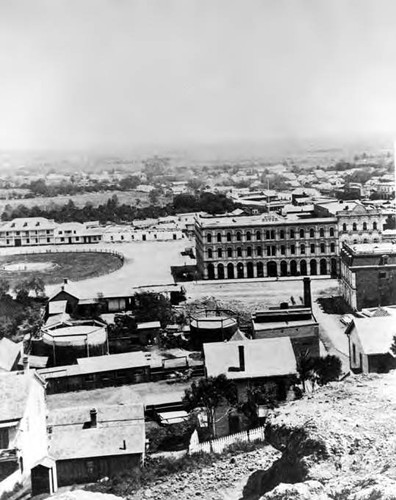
(64, 345)
(211, 329)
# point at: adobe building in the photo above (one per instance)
(368, 274)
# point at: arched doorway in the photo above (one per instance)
(283, 268)
(240, 273)
(272, 269)
(220, 271)
(211, 274)
(323, 266)
(230, 271)
(249, 270)
(293, 268)
(260, 270)
(333, 264)
(313, 267)
(303, 267)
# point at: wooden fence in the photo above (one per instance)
(218, 445)
(63, 249)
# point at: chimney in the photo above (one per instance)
(307, 293)
(241, 350)
(25, 363)
(94, 417)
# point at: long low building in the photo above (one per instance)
(266, 245)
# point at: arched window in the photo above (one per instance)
(218, 237)
(249, 251)
(209, 238)
(332, 231)
(344, 227)
(282, 234)
(210, 253)
(374, 226)
(292, 233)
(311, 233)
(259, 251)
(312, 247)
(219, 253)
(321, 232)
(239, 252)
(354, 227)
(228, 236)
(332, 247)
(229, 252)
(238, 236)
(302, 233)
(302, 249)
(364, 226)
(220, 271)
(248, 236)
(322, 248)
(258, 235)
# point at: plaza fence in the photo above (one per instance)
(46, 250)
(218, 445)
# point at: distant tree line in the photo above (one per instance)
(113, 211)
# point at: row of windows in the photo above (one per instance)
(269, 235)
(270, 250)
(364, 226)
(27, 233)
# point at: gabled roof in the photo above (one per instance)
(263, 358)
(238, 335)
(120, 430)
(375, 334)
(14, 391)
(9, 353)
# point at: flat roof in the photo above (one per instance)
(372, 248)
(270, 325)
(263, 358)
(257, 221)
(111, 362)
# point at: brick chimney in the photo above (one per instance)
(307, 293)
(94, 417)
(241, 351)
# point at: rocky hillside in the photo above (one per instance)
(336, 444)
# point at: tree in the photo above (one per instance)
(210, 393)
(327, 369)
(151, 306)
(37, 285)
(257, 396)
(305, 368)
(4, 288)
(153, 196)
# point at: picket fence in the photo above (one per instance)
(218, 445)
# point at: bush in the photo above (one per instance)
(244, 446)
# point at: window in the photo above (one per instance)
(354, 353)
(63, 239)
(219, 253)
(292, 249)
(4, 439)
(248, 236)
(239, 252)
(8, 242)
(283, 249)
(25, 224)
(210, 253)
(229, 252)
(282, 234)
(258, 235)
(322, 248)
(272, 234)
(382, 274)
(268, 251)
(321, 232)
(374, 226)
(267, 235)
(259, 252)
(37, 224)
(60, 232)
(13, 224)
(364, 226)
(302, 233)
(28, 241)
(90, 466)
(273, 250)
(249, 251)
(332, 231)
(209, 238)
(292, 233)
(228, 236)
(332, 247)
(311, 232)
(238, 236)
(48, 240)
(218, 237)
(312, 248)
(344, 227)
(354, 227)
(302, 249)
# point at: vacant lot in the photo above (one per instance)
(75, 266)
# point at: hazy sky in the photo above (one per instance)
(120, 73)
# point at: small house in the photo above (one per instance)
(92, 443)
(370, 341)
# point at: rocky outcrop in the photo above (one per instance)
(338, 443)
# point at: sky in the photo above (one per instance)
(122, 73)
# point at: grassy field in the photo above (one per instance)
(73, 265)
